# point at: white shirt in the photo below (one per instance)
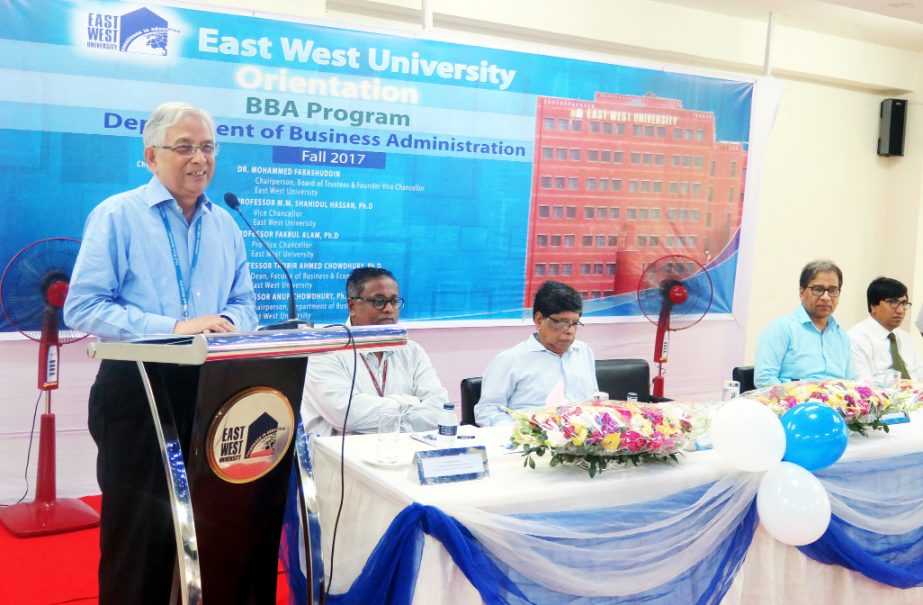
(411, 385)
(871, 350)
(522, 377)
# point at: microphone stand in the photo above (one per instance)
(292, 323)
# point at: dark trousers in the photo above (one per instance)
(138, 549)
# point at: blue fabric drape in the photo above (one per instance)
(893, 560)
(290, 546)
(880, 491)
(705, 583)
(390, 574)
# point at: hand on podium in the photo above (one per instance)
(204, 324)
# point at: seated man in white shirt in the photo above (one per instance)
(401, 378)
(877, 343)
(550, 367)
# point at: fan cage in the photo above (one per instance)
(669, 270)
(26, 280)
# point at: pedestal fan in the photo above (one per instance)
(32, 293)
(674, 293)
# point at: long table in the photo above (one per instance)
(770, 573)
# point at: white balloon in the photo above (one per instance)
(793, 505)
(747, 435)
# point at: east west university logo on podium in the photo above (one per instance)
(140, 31)
(250, 434)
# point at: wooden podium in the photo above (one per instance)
(228, 491)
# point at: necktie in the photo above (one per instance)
(897, 362)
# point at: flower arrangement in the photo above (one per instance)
(861, 405)
(597, 435)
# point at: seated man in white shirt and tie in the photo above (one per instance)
(549, 367)
(402, 379)
(877, 343)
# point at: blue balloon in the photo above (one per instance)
(815, 435)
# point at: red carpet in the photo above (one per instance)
(60, 569)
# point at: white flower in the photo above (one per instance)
(555, 438)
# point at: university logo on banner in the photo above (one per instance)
(140, 31)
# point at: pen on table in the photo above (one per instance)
(466, 436)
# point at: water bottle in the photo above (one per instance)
(730, 390)
(448, 426)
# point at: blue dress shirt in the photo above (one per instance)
(792, 348)
(522, 377)
(124, 284)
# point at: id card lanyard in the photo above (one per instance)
(184, 288)
(380, 389)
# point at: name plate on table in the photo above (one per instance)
(895, 418)
(449, 465)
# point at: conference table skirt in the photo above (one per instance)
(770, 573)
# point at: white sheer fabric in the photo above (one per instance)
(776, 574)
(860, 499)
(590, 566)
(505, 513)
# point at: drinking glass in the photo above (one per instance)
(889, 380)
(389, 432)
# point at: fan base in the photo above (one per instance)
(29, 519)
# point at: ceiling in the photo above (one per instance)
(896, 23)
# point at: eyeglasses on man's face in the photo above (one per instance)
(832, 291)
(380, 302)
(896, 302)
(187, 150)
(563, 324)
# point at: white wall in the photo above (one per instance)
(824, 193)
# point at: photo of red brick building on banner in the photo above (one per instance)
(621, 181)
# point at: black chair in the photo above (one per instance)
(744, 375)
(470, 394)
(618, 377)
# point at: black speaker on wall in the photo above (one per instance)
(893, 115)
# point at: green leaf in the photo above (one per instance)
(531, 463)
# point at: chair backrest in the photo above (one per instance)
(618, 377)
(470, 395)
(744, 375)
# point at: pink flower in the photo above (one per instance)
(607, 423)
(654, 416)
(657, 441)
(633, 441)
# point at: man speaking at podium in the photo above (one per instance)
(158, 259)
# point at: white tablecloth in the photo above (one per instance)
(771, 573)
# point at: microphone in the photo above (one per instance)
(292, 322)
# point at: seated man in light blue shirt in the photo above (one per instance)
(550, 367)
(807, 344)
